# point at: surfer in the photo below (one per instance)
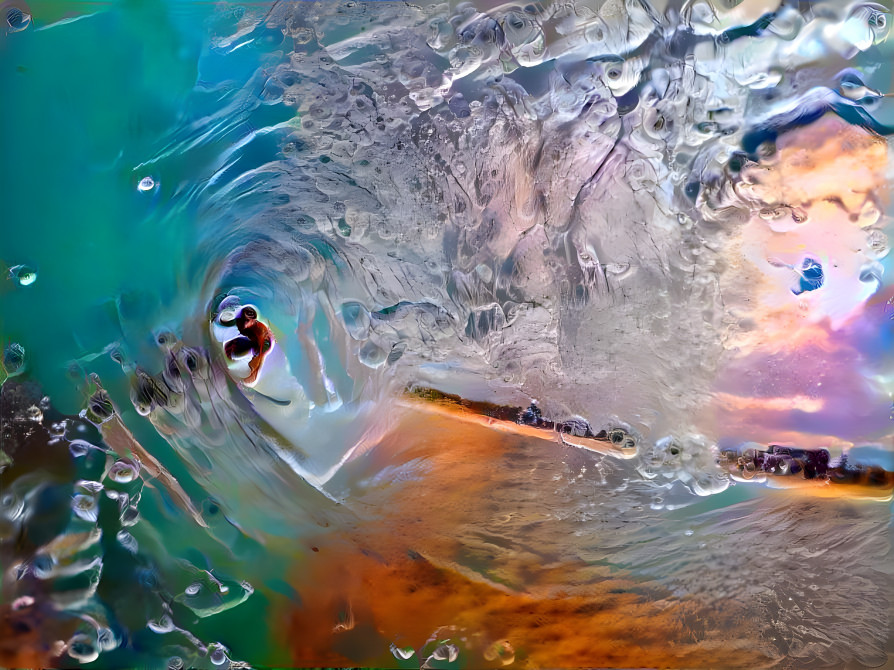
(254, 337)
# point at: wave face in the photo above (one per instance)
(447, 335)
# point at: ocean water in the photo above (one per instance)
(379, 334)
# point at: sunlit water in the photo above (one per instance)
(242, 242)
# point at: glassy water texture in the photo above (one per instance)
(446, 335)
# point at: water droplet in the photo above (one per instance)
(356, 320)
(127, 541)
(17, 20)
(175, 663)
(164, 624)
(123, 472)
(24, 275)
(501, 651)
(82, 648)
(146, 184)
(877, 242)
(14, 358)
(403, 653)
(11, 506)
(811, 276)
(99, 408)
(446, 652)
(85, 507)
(372, 355)
(396, 352)
(89, 486)
(130, 516)
(79, 448)
(872, 273)
(193, 589)
(218, 655)
(42, 566)
(622, 439)
(107, 639)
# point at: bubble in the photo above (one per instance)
(877, 243)
(501, 651)
(164, 624)
(89, 486)
(356, 319)
(621, 438)
(218, 654)
(42, 566)
(127, 541)
(85, 507)
(372, 355)
(147, 393)
(146, 184)
(17, 20)
(811, 276)
(193, 589)
(79, 448)
(124, 472)
(23, 275)
(100, 407)
(175, 663)
(402, 653)
(868, 215)
(446, 652)
(82, 648)
(11, 506)
(227, 317)
(872, 273)
(106, 639)
(130, 516)
(674, 449)
(194, 361)
(165, 339)
(396, 352)
(14, 358)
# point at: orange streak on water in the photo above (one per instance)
(430, 556)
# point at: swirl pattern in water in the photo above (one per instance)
(454, 335)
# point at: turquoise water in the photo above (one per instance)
(92, 92)
(426, 197)
(83, 120)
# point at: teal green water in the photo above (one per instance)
(93, 106)
(86, 102)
